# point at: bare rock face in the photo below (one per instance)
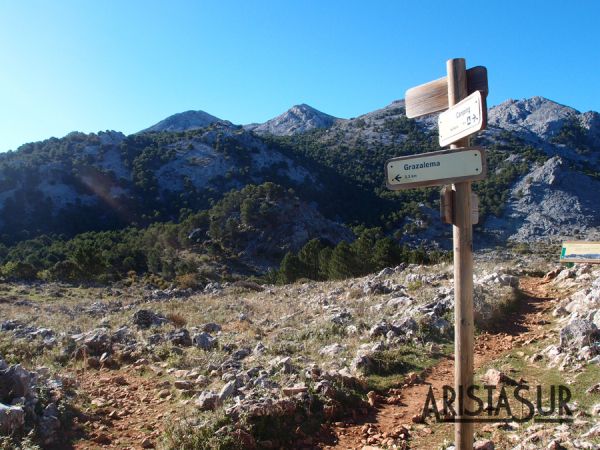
(551, 202)
(579, 333)
(298, 119)
(537, 115)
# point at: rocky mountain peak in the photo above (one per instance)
(187, 120)
(539, 115)
(297, 119)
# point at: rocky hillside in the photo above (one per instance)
(555, 198)
(539, 152)
(239, 364)
(107, 180)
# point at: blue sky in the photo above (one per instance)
(124, 65)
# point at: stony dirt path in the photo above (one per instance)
(126, 410)
(521, 326)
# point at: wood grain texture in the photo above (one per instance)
(462, 232)
(447, 205)
(432, 97)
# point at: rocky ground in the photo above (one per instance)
(312, 365)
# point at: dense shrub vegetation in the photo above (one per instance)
(371, 251)
(173, 250)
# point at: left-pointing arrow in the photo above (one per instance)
(398, 177)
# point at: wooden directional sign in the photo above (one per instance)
(435, 168)
(463, 119)
(433, 96)
(580, 252)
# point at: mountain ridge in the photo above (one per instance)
(116, 180)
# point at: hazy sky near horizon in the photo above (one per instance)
(80, 65)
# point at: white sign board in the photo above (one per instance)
(435, 168)
(580, 252)
(463, 119)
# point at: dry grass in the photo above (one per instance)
(293, 320)
(177, 319)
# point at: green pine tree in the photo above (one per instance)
(291, 268)
(309, 256)
(343, 262)
(386, 253)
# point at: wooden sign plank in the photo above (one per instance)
(580, 252)
(432, 97)
(435, 168)
(463, 119)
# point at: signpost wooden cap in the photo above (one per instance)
(432, 97)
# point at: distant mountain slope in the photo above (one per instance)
(106, 180)
(297, 119)
(188, 120)
(552, 201)
(539, 153)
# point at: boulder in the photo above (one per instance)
(241, 353)
(260, 348)
(405, 326)
(204, 340)
(332, 350)
(495, 378)
(579, 333)
(483, 445)
(49, 424)
(208, 401)
(379, 329)
(282, 364)
(12, 418)
(228, 390)
(95, 342)
(145, 318)
(211, 327)
(15, 382)
(341, 318)
(179, 337)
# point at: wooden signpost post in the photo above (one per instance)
(460, 166)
